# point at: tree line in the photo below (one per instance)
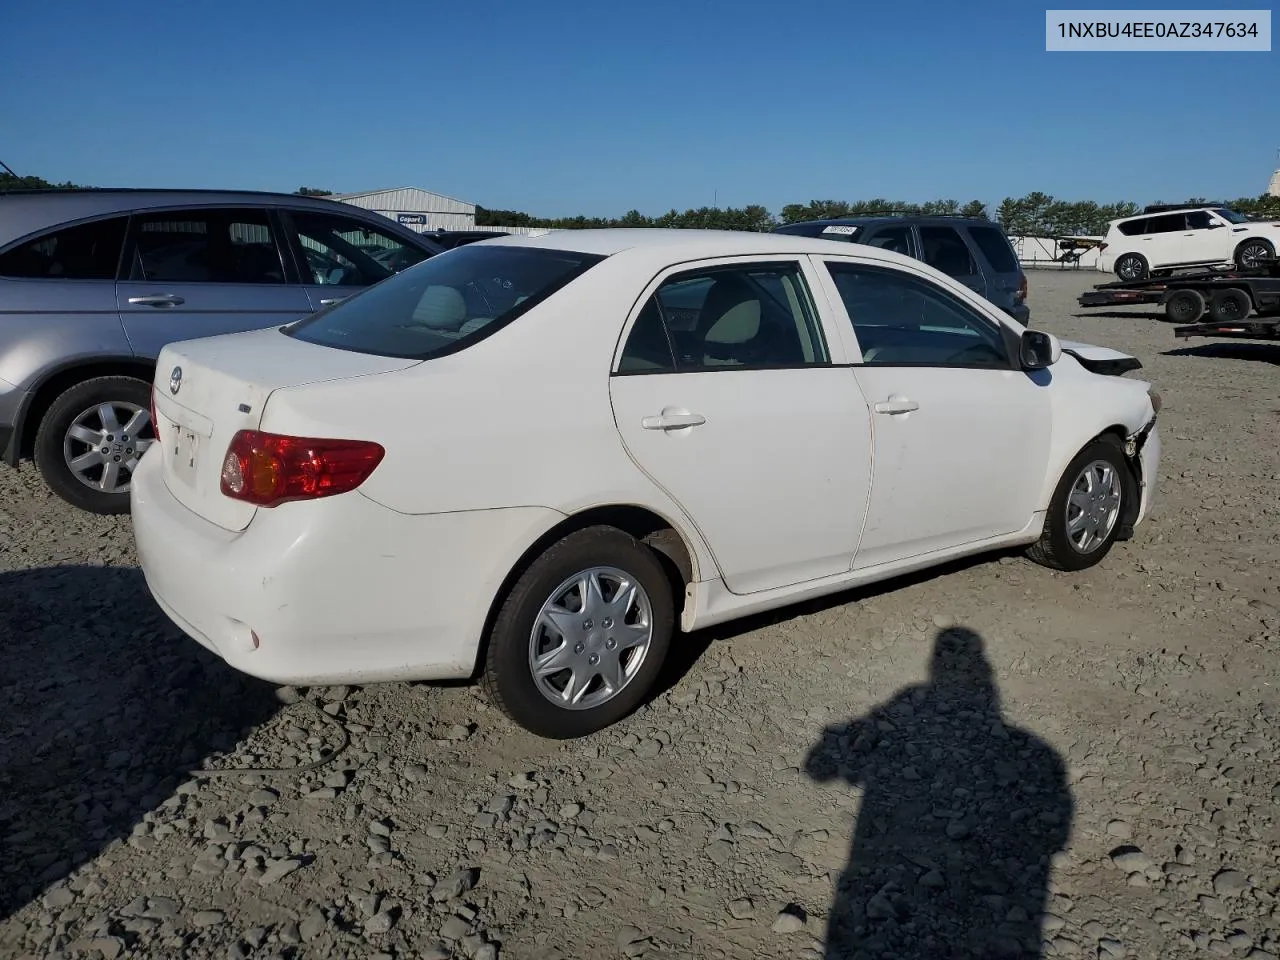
(1036, 214)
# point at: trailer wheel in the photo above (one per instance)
(1184, 306)
(1132, 266)
(1230, 306)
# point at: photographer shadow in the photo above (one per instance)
(960, 817)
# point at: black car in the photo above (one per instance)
(972, 250)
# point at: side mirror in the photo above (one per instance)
(1215, 225)
(1039, 350)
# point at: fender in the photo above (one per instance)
(1133, 445)
(93, 365)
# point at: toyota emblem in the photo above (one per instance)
(175, 380)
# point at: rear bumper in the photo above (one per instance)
(340, 590)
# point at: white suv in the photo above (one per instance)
(1163, 238)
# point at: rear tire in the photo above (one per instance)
(586, 635)
(1230, 306)
(1184, 306)
(1096, 486)
(1132, 266)
(102, 426)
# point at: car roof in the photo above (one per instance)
(26, 211)
(676, 244)
(870, 219)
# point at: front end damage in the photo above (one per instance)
(1142, 454)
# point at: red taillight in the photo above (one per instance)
(267, 469)
(1103, 246)
(1022, 288)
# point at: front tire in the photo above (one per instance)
(1251, 253)
(582, 635)
(1132, 266)
(1087, 508)
(90, 440)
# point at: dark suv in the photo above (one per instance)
(972, 250)
(93, 283)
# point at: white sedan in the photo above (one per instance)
(541, 459)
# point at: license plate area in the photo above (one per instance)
(186, 451)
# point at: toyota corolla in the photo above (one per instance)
(543, 460)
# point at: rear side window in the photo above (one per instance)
(995, 247)
(89, 251)
(756, 315)
(897, 239)
(945, 250)
(445, 303)
(206, 246)
(1134, 228)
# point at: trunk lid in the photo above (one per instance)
(208, 389)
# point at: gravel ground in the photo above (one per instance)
(991, 760)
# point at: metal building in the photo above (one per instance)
(416, 208)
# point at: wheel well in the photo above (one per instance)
(49, 391)
(1248, 240)
(645, 525)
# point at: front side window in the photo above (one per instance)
(446, 303)
(756, 315)
(346, 252)
(903, 320)
(205, 246)
(88, 251)
(945, 250)
(1198, 220)
(1230, 215)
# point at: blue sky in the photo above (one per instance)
(559, 107)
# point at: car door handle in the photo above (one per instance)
(325, 303)
(673, 421)
(896, 405)
(157, 300)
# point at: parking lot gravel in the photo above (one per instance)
(988, 760)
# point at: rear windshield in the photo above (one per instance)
(445, 303)
(996, 247)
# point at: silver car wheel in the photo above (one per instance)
(103, 444)
(1093, 506)
(590, 638)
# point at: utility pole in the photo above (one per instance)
(9, 169)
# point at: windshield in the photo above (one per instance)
(1230, 215)
(445, 303)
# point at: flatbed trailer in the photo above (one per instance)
(1253, 329)
(1229, 297)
